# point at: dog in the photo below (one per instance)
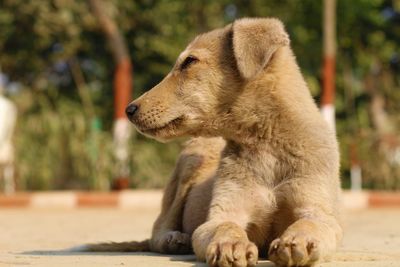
(260, 176)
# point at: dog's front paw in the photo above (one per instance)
(294, 250)
(175, 242)
(232, 254)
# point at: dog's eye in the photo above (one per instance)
(188, 61)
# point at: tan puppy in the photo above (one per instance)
(262, 175)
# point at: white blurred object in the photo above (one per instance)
(355, 178)
(122, 132)
(328, 112)
(8, 117)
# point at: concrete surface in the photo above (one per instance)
(31, 237)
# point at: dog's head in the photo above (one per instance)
(206, 79)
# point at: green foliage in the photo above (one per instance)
(58, 148)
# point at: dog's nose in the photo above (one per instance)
(131, 110)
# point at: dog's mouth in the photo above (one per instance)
(169, 126)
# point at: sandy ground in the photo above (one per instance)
(32, 237)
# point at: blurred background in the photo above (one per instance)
(62, 61)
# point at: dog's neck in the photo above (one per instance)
(262, 113)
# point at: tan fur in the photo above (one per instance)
(271, 187)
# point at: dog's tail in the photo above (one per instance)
(131, 246)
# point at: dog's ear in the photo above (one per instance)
(254, 42)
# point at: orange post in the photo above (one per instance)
(122, 91)
(328, 91)
(122, 87)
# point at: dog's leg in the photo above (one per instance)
(197, 162)
(315, 231)
(224, 239)
(306, 241)
(166, 235)
(224, 244)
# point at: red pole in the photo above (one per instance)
(328, 92)
(122, 128)
(122, 92)
(122, 87)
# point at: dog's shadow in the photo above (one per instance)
(190, 259)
